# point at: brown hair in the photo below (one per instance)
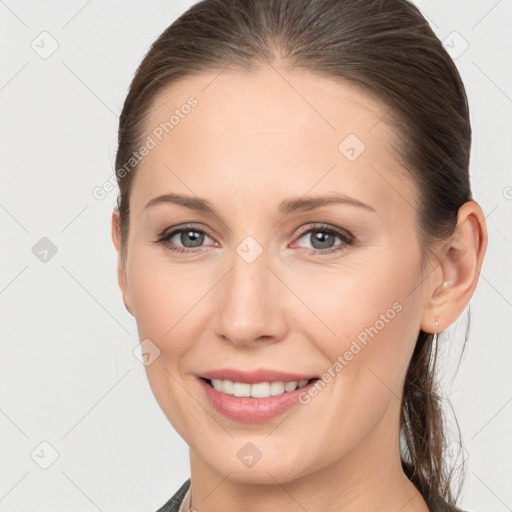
(386, 48)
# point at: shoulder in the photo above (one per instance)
(174, 503)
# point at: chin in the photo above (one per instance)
(258, 471)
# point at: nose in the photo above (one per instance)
(251, 304)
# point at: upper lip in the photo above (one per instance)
(254, 376)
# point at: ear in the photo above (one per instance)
(461, 259)
(121, 268)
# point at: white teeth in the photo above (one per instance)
(227, 386)
(257, 390)
(290, 386)
(260, 390)
(277, 388)
(217, 384)
(242, 389)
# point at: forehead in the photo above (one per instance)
(293, 131)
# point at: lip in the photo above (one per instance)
(252, 410)
(254, 376)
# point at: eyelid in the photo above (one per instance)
(168, 232)
(343, 233)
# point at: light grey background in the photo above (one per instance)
(68, 373)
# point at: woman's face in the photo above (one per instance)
(272, 278)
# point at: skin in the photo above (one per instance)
(253, 141)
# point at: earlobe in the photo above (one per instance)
(121, 270)
(460, 264)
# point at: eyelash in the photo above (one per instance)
(345, 237)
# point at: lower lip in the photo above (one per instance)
(252, 410)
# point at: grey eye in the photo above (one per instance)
(188, 238)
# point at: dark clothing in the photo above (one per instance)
(173, 505)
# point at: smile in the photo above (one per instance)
(256, 390)
(253, 402)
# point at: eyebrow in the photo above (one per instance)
(305, 204)
(286, 207)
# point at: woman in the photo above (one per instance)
(295, 226)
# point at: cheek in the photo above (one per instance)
(165, 299)
(167, 304)
(370, 318)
